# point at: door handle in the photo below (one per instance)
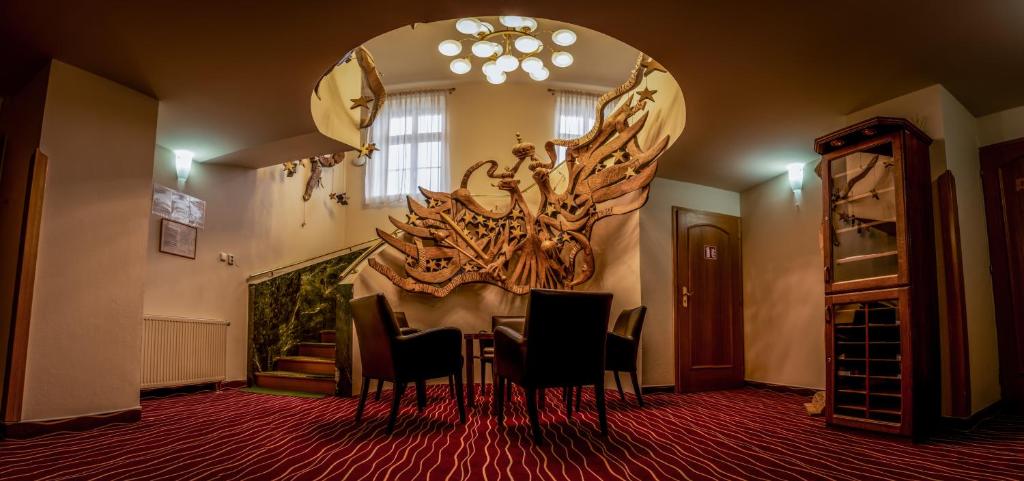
(686, 296)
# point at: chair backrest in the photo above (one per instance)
(400, 319)
(565, 335)
(631, 322)
(516, 323)
(376, 329)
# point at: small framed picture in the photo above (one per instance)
(178, 239)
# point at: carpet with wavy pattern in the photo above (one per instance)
(739, 434)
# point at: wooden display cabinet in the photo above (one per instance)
(879, 264)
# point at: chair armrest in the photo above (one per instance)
(620, 352)
(508, 343)
(437, 347)
(405, 331)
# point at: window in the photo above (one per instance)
(574, 116)
(411, 134)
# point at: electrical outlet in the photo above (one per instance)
(223, 256)
(231, 259)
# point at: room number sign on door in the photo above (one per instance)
(711, 252)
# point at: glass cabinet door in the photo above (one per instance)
(863, 214)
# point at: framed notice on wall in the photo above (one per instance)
(178, 239)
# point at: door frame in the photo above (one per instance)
(677, 334)
(992, 158)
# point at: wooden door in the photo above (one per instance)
(708, 301)
(1002, 170)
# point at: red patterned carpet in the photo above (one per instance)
(741, 434)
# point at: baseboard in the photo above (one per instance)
(657, 389)
(191, 388)
(28, 429)
(963, 424)
(803, 391)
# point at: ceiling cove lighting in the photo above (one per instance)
(183, 163)
(516, 46)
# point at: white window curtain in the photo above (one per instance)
(411, 132)
(574, 115)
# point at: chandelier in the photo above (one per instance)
(503, 51)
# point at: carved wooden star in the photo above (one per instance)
(413, 218)
(630, 172)
(368, 150)
(619, 156)
(361, 102)
(650, 66)
(646, 94)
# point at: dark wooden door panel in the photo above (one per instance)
(1003, 178)
(708, 310)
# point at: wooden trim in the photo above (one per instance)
(802, 391)
(28, 429)
(29, 250)
(956, 301)
(668, 388)
(969, 422)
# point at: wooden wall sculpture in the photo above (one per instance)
(453, 240)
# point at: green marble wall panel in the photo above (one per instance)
(295, 307)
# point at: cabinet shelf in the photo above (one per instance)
(863, 196)
(865, 225)
(866, 257)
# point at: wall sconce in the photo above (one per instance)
(183, 163)
(796, 176)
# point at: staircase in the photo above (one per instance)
(312, 370)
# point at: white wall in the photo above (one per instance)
(84, 335)
(658, 352)
(1001, 126)
(783, 287)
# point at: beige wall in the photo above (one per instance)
(658, 352)
(83, 350)
(957, 136)
(783, 290)
(1001, 126)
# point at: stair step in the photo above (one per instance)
(317, 349)
(328, 335)
(295, 381)
(306, 365)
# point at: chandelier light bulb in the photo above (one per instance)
(511, 21)
(468, 26)
(540, 74)
(529, 64)
(449, 48)
(564, 37)
(491, 69)
(485, 27)
(482, 49)
(529, 24)
(527, 44)
(498, 78)
(561, 59)
(496, 48)
(507, 62)
(460, 66)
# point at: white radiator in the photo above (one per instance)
(177, 351)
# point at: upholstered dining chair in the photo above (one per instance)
(622, 349)
(389, 355)
(487, 348)
(562, 345)
(403, 327)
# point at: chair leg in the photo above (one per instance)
(579, 392)
(396, 404)
(380, 386)
(421, 395)
(636, 389)
(362, 399)
(508, 390)
(499, 398)
(531, 409)
(618, 385)
(602, 414)
(458, 395)
(542, 395)
(451, 386)
(483, 376)
(567, 399)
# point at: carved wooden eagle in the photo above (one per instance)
(453, 240)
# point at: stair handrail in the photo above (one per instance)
(294, 266)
